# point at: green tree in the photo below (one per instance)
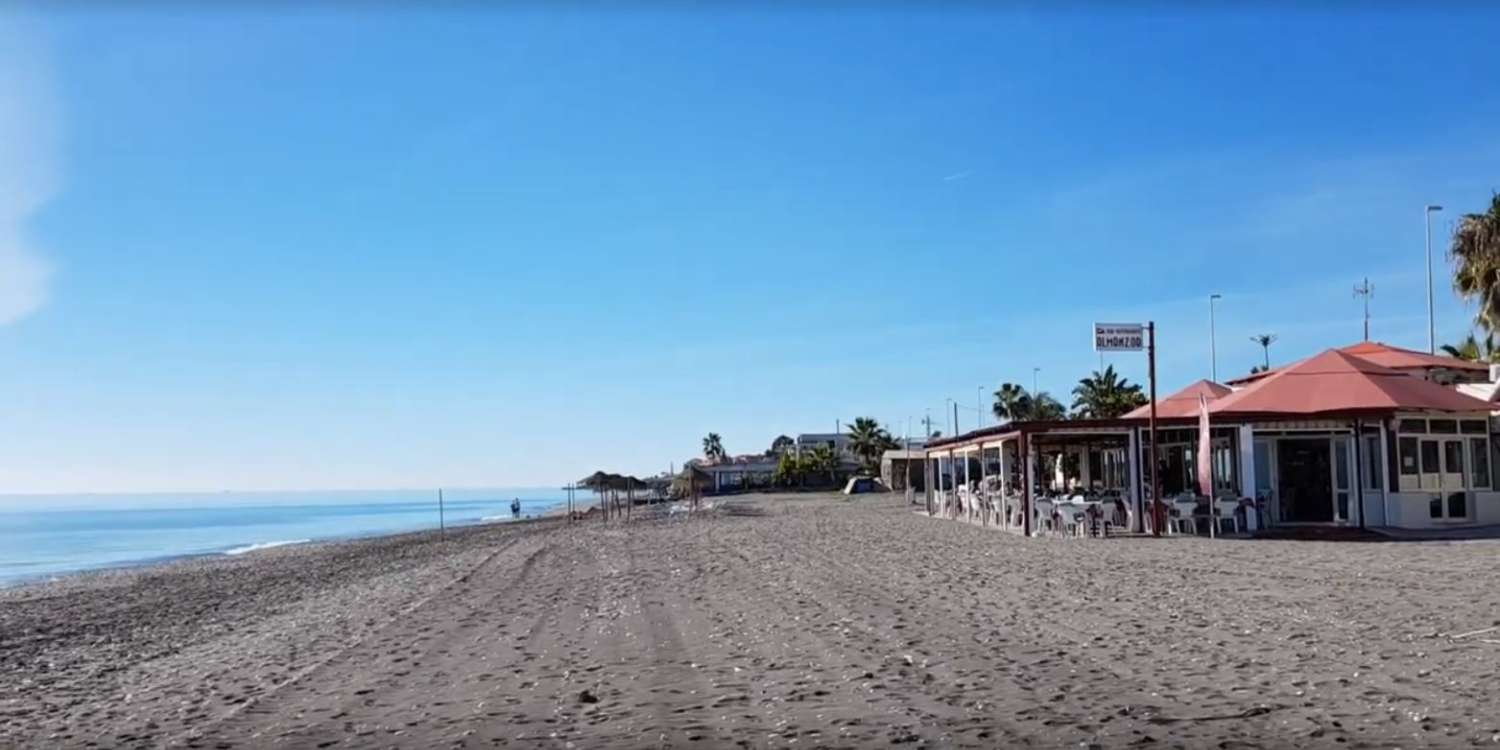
(781, 445)
(822, 459)
(1473, 349)
(1105, 395)
(870, 441)
(1476, 262)
(1014, 404)
(713, 448)
(790, 470)
(1046, 408)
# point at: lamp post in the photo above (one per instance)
(979, 407)
(1034, 371)
(1213, 346)
(1431, 326)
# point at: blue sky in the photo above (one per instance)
(306, 248)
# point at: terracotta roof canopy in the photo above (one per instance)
(1340, 382)
(1183, 403)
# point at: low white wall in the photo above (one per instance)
(1409, 510)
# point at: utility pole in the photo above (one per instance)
(1366, 290)
(979, 407)
(1431, 326)
(1213, 345)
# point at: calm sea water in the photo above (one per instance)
(41, 537)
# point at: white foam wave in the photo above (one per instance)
(264, 545)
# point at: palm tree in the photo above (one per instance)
(1476, 262)
(1011, 402)
(1105, 395)
(1265, 340)
(870, 441)
(713, 448)
(1473, 349)
(822, 458)
(1014, 404)
(1046, 408)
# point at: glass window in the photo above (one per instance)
(1444, 426)
(1453, 457)
(1373, 480)
(1480, 461)
(1475, 427)
(1341, 463)
(1435, 507)
(1431, 457)
(1262, 466)
(1409, 456)
(1412, 425)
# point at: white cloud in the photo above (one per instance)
(29, 123)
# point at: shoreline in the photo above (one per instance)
(12, 582)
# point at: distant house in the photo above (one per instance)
(838, 441)
(899, 463)
(737, 473)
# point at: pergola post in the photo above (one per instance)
(1024, 454)
(984, 510)
(969, 506)
(927, 481)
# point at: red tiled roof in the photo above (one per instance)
(1183, 403)
(1337, 381)
(1386, 355)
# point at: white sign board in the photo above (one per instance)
(1119, 337)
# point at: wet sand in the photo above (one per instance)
(802, 621)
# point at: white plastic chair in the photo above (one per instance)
(1184, 520)
(1224, 510)
(1043, 512)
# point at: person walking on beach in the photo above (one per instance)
(515, 507)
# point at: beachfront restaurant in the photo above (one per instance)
(1335, 440)
(1075, 475)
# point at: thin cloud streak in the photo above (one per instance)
(29, 123)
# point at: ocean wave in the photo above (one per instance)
(264, 545)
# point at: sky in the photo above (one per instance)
(279, 247)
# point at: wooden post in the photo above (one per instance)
(442, 526)
(1025, 456)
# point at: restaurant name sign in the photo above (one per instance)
(1119, 337)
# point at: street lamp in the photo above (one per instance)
(1034, 371)
(1213, 346)
(1431, 327)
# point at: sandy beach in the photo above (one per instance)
(771, 621)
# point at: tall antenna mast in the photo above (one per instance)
(1366, 290)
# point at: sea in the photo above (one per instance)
(44, 536)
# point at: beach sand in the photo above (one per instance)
(801, 621)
